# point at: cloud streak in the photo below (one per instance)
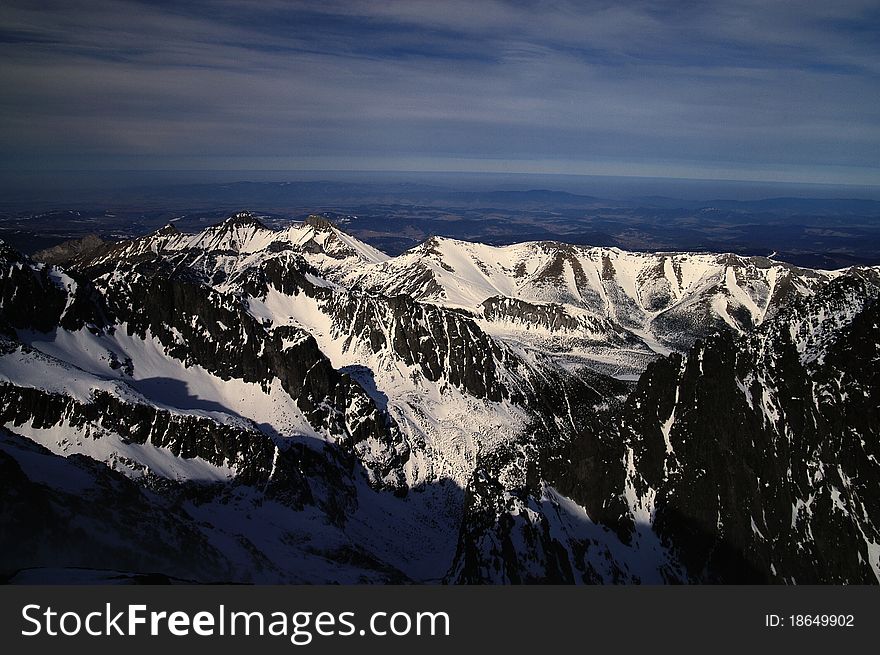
(733, 86)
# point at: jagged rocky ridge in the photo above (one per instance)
(756, 458)
(308, 409)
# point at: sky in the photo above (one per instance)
(738, 89)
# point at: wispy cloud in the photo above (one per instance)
(751, 86)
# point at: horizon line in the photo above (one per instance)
(633, 176)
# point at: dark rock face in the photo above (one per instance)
(552, 317)
(442, 344)
(64, 253)
(319, 222)
(250, 452)
(41, 297)
(199, 326)
(89, 516)
(520, 549)
(769, 451)
(28, 295)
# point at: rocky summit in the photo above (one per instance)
(246, 404)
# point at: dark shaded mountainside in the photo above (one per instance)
(255, 405)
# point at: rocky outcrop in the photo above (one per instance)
(89, 246)
(756, 455)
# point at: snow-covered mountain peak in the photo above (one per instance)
(166, 230)
(318, 236)
(242, 240)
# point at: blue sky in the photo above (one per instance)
(754, 90)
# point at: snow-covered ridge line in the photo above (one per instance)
(467, 274)
(580, 301)
(242, 234)
(573, 301)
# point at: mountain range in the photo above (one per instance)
(257, 405)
